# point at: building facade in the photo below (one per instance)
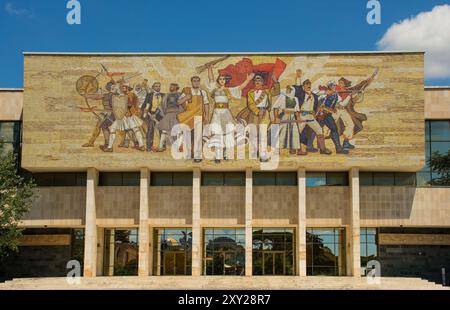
(346, 184)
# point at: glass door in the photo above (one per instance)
(273, 263)
(174, 263)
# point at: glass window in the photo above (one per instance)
(10, 132)
(212, 179)
(81, 179)
(44, 179)
(405, 179)
(286, 178)
(182, 178)
(369, 247)
(427, 131)
(121, 248)
(327, 179)
(438, 139)
(325, 248)
(426, 167)
(441, 147)
(264, 178)
(273, 251)
(77, 246)
(65, 179)
(173, 247)
(366, 179)
(337, 178)
(110, 179)
(58, 179)
(316, 179)
(161, 178)
(383, 179)
(223, 179)
(423, 178)
(131, 179)
(119, 179)
(6, 148)
(440, 130)
(224, 251)
(234, 178)
(10, 137)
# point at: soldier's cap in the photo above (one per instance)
(331, 84)
(258, 76)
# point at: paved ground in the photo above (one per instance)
(222, 283)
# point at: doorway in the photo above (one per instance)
(273, 251)
(174, 263)
(274, 263)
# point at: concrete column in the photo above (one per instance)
(196, 229)
(248, 222)
(90, 229)
(144, 230)
(354, 257)
(301, 230)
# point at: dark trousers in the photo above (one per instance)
(334, 134)
(150, 133)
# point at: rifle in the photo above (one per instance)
(202, 68)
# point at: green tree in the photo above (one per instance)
(440, 163)
(16, 198)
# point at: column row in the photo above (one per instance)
(145, 262)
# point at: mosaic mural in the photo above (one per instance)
(332, 109)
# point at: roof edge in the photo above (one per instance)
(213, 53)
(11, 89)
(437, 87)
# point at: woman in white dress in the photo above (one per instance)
(221, 117)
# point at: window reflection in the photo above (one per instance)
(173, 251)
(369, 248)
(437, 137)
(325, 251)
(121, 250)
(224, 251)
(273, 251)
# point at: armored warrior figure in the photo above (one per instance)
(106, 117)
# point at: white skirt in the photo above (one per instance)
(119, 125)
(134, 122)
(219, 121)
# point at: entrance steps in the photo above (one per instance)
(222, 283)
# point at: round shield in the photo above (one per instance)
(119, 106)
(87, 84)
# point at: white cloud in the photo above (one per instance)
(428, 31)
(11, 10)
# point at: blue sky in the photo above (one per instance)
(191, 26)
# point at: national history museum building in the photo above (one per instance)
(287, 164)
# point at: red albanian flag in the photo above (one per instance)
(238, 72)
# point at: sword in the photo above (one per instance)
(297, 121)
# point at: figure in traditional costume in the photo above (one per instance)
(195, 103)
(221, 116)
(258, 103)
(134, 120)
(151, 113)
(106, 117)
(126, 112)
(170, 108)
(286, 111)
(330, 99)
(309, 107)
(348, 121)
